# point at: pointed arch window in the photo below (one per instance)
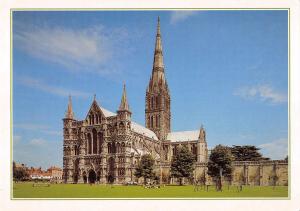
(91, 119)
(158, 120)
(152, 102)
(157, 102)
(76, 150)
(175, 150)
(148, 123)
(94, 141)
(118, 148)
(151, 121)
(100, 141)
(113, 147)
(123, 147)
(194, 150)
(121, 126)
(89, 147)
(109, 147)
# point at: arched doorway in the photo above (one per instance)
(92, 176)
(84, 177)
(76, 172)
(111, 170)
(110, 179)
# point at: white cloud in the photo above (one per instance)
(91, 49)
(177, 16)
(276, 150)
(263, 92)
(37, 142)
(60, 91)
(38, 127)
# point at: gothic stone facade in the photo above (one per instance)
(105, 147)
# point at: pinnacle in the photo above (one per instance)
(69, 113)
(124, 103)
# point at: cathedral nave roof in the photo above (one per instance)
(183, 136)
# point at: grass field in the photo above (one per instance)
(26, 190)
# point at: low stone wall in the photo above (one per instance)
(259, 173)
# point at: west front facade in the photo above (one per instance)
(106, 147)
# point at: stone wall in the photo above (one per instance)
(259, 173)
(262, 173)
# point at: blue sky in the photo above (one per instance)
(227, 70)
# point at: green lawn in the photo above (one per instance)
(25, 190)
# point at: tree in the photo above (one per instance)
(183, 164)
(19, 174)
(145, 168)
(286, 158)
(220, 164)
(247, 153)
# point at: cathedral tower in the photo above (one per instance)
(157, 111)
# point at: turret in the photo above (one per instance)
(124, 113)
(68, 145)
(202, 146)
(68, 120)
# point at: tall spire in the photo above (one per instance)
(157, 110)
(158, 73)
(158, 63)
(69, 113)
(124, 104)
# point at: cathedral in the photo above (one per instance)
(106, 147)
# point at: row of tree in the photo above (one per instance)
(219, 164)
